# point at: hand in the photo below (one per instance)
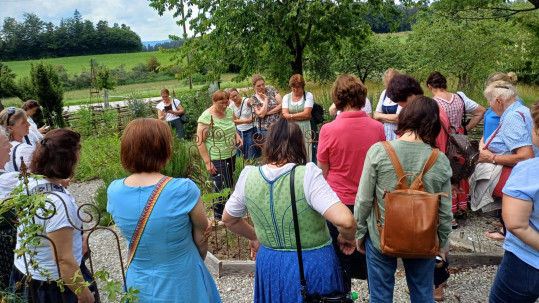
(254, 248)
(360, 245)
(485, 156)
(207, 232)
(210, 168)
(45, 128)
(239, 142)
(346, 246)
(84, 244)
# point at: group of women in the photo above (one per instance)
(334, 199)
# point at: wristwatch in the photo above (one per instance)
(291, 116)
(494, 159)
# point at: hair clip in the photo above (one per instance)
(43, 141)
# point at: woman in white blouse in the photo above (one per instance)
(388, 111)
(15, 122)
(297, 107)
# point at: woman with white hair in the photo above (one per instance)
(508, 145)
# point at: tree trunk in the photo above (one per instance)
(297, 64)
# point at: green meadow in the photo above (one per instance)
(75, 65)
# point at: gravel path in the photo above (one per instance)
(465, 285)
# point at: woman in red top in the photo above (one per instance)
(342, 148)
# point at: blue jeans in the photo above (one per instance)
(178, 126)
(381, 269)
(248, 149)
(223, 178)
(516, 281)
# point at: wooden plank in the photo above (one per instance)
(231, 268)
(214, 265)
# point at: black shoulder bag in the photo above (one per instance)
(334, 297)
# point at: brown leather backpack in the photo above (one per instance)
(411, 214)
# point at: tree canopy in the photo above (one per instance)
(265, 35)
(35, 39)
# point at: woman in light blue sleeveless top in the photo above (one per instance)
(168, 265)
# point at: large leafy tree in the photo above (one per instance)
(467, 50)
(265, 35)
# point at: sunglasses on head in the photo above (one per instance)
(10, 112)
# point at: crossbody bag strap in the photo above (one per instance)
(401, 177)
(492, 137)
(296, 231)
(14, 157)
(463, 119)
(143, 219)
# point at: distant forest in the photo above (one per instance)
(34, 38)
(164, 45)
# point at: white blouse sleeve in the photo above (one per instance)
(368, 107)
(469, 104)
(285, 100)
(381, 101)
(318, 193)
(309, 102)
(235, 206)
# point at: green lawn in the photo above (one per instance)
(75, 65)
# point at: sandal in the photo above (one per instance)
(495, 235)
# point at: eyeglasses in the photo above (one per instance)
(10, 112)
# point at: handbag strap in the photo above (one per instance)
(296, 231)
(143, 219)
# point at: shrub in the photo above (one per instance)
(152, 65)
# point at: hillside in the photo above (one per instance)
(75, 65)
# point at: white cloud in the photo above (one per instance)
(137, 14)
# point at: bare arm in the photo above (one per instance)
(340, 216)
(63, 239)
(324, 167)
(241, 121)
(277, 109)
(161, 114)
(240, 227)
(477, 116)
(516, 216)
(200, 224)
(262, 110)
(332, 110)
(179, 110)
(202, 135)
(386, 118)
(520, 154)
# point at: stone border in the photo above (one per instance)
(222, 268)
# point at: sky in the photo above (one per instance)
(137, 14)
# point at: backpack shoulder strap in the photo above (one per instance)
(14, 157)
(401, 177)
(418, 182)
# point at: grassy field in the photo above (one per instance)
(140, 90)
(75, 65)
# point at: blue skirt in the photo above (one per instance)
(277, 274)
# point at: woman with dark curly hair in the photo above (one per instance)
(418, 127)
